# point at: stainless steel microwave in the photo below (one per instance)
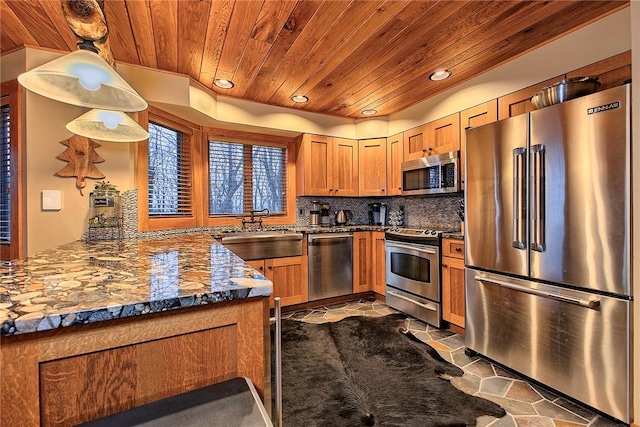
(431, 175)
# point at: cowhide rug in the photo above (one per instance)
(364, 371)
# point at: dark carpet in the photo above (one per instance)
(364, 371)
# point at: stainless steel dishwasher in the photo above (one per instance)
(330, 265)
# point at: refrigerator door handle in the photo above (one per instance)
(537, 189)
(518, 198)
(587, 303)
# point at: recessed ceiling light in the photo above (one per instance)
(223, 84)
(440, 75)
(370, 112)
(299, 98)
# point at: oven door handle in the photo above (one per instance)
(431, 307)
(395, 245)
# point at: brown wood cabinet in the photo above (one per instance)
(473, 117)
(415, 143)
(379, 262)
(453, 281)
(395, 155)
(327, 166)
(443, 135)
(611, 72)
(289, 277)
(362, 262)
(71, 375)
(436, 137)
(373, 167)
(345, 167)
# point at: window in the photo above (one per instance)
(245, 177)
(169, 172)
(192, 176)
(5, 173)
(11, 194)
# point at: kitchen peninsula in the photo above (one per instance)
(90, 329)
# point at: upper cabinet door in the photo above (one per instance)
(345, 168)
(314, 165)
(373, 167)
(519, 102)
(471, 118)
(443, 135)
(395, 151)
(415, 143)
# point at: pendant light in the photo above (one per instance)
(106, 125)
(84, 79)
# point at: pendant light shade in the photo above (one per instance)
(83, 78)
(104, 125)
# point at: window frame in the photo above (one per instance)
(248, 138)
(248, 198)
(15, 248)
(198, 138)
(191, 137)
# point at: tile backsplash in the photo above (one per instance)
(435, 212)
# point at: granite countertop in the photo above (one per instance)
(303, 228)
(455, 235)
(82, 282)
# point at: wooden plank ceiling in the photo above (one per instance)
(345, 56)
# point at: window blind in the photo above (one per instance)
(245, 177)
(169, 172)
(5, 175)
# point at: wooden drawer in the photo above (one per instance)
(453, 248)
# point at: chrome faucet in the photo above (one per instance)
(252, 219)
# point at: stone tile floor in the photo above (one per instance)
(526, 404)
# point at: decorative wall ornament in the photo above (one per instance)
(81, 156)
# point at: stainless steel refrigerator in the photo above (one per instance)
(547, 241)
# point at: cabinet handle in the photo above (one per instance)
(270, 267)
(445, 265)
(458, 249)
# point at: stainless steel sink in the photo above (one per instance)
(250, 245)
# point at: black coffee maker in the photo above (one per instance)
(377, 213)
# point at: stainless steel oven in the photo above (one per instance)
(413, 273)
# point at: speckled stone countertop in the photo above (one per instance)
(82, 282)
(303, 229)
(454, 235)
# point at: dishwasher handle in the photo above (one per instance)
(325, 236)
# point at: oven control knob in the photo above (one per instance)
(434, 232)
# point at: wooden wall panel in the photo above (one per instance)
(82, 388)
(86, 371)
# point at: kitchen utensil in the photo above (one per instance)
(564, 90)
(343, 216)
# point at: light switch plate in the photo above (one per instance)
(51, 200)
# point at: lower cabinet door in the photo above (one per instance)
(289, 277)
(379, 267)
(453, 290)
(362, 271)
